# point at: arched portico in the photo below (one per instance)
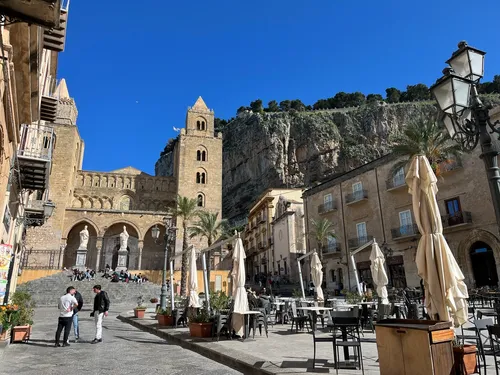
(470, 244)
(111, 245)
(73, 242)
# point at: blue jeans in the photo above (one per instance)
(75, 325)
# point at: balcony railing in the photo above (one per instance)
(458, 218)
(326, 207)
(395, 182)
(332, 249)
(262, 219)
(356, 196)
(55, 38)
(359, 241)
(405, 231)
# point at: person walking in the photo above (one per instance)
(66, 305)
(76, 327)
(101, 307)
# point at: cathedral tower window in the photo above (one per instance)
(201, 155)
(200, 177)
(198, 125)
(201, 200)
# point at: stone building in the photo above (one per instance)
(106, 202)
(372, 202)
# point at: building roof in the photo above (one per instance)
(128, 170)
(339, 178)
(200, 104)
(265, 196)
(62, 90)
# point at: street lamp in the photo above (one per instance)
(465, 117)
(170, 232)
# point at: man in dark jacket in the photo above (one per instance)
(76, 328)
(101, 307)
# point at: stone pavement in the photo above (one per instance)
(282, 353)
(126, 350)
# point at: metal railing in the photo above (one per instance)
(395, 182)
(458, 218)
(405, 230)
(41, 259)
(356, 196)
(359, 241)
(326, 207)
(36, 142)
(332, 248)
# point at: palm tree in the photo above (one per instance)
(209, 227)
(425, 137)
(185, 209)
(322, 231)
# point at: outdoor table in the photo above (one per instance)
(314, 310)
(247, 314)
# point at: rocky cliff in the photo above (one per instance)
(298, 149)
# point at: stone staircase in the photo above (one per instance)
(47, 290)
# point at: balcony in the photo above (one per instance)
(395, 183)
(262, 219)
(39, 12)
(54, 39)
(35, 156)
(450, 165)
(49, 100)
(405, 231)
(332, 249)
(359, 241)
(355, 197)
(251, 250)
(327, 207)
(457, 219)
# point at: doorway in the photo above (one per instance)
(483, 264)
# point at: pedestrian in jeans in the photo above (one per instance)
(66, 305)
(101, 307)
(76, 327)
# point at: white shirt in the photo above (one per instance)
(66, 303)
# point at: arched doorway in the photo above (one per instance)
(73, 242)
(111, 245)
(153, 252)
(483, 264)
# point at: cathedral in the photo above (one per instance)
(106, 202)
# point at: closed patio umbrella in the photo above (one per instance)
(317, 275)
(379, 274)
(445, 290)
(239, 292)
(194, 300)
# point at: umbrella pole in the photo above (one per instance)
(172, 302)
(205, 282)
(301, 280)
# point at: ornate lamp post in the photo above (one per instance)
(465, 117)
(170, 234)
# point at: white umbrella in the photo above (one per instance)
(194, 300)
(378, 272)
(317, 275)
(445, 290)
(239, 292)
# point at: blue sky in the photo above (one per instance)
(134, 67)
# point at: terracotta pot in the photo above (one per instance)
(165, 320)
(200, 329)
(20, 333)
(5, 335)
(465, 359)
(139, 313)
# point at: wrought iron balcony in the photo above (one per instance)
(327, 207)
(54, 39)
(358, 241)
(458, 218)
(405, 231)
(35, 156)
(395, 182)
(332, 249)
(356, 196)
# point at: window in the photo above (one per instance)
(200, 178)
(405, 222)
(198, 155)
(452, 206)
(327, 202)
(358, 186)
(365, 273)
(200, 200)
(396, 276)
(198, 125)
(203, 125)
(201, 155)
(332, 244)
(398, 177)
(332, 276)
(361, 232)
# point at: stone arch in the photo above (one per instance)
(152, 206)
(73, 242)
(201, 123)
(81, 180)
(201, 153)
(112, 182)
(106, 203)
(128, 222)
(104, 181)
(78, 221)
(88, 181)
(464, 259)
(200, 198)
(77, 202)
(153, 251)
(201, 176)
(87, 202)
(126, 203)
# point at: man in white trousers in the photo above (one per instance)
(101, 308)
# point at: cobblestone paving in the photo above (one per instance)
(125, 350)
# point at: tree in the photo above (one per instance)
(185, 209)
(321, 104)
(297, 105)
(392, 95)
(285, 105)
(425, 137)
(372, 98)
(322, 231)
(273, 106)
(416, 92)
(208, 226)
(241, 109)
(256, 106)
(219, 124)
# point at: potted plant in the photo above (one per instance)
(219, 301)
(140, 309)
(165, 317)
(465, 358)
(22, 319)
(200, 323)
(7, 316)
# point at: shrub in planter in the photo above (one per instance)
(140, 309)
(165, 317)
(465, 359)
(23, 319)
(200, 323)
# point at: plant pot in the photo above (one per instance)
(20, 333)
(465, 359)
(165, 320)
(5, 335)
(139, 313)
(200, 329)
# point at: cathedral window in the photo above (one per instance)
(200, 178)
(203, 125)
(198, 125)
(203, 156)
(198, 155)
(201, 201)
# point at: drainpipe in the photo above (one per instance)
(380, 206)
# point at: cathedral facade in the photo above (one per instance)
(105, 202)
